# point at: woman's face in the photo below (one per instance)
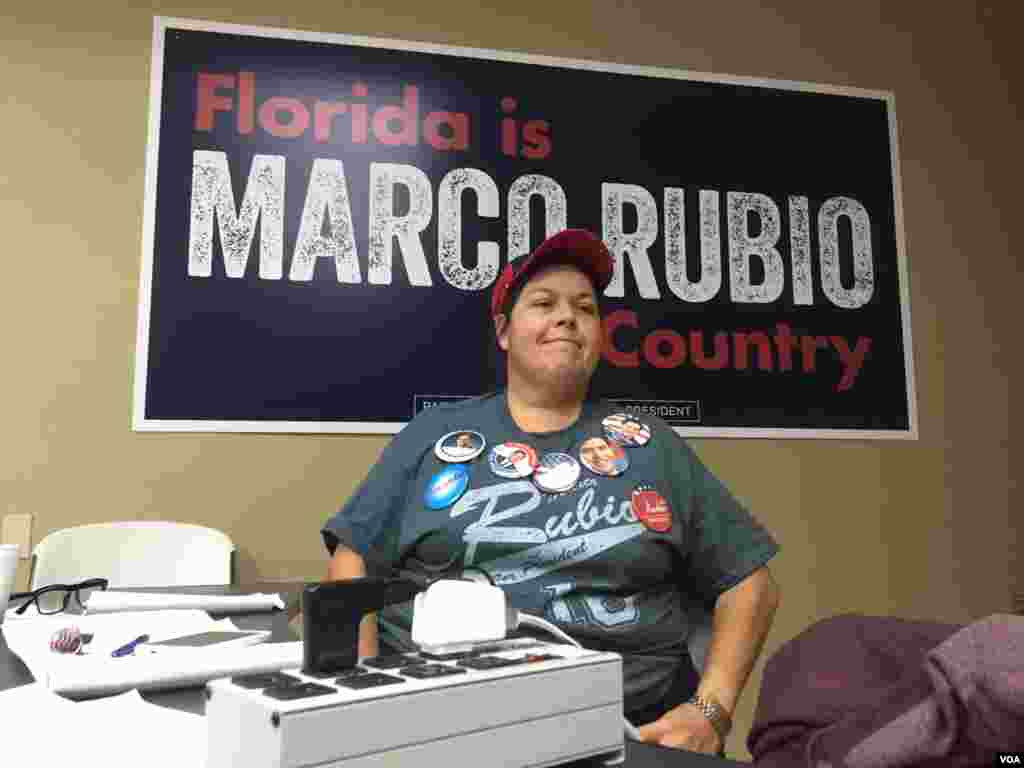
(553, 333)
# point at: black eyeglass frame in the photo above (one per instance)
(69, 589)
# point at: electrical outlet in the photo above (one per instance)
(17, 529)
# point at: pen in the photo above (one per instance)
(129, 648)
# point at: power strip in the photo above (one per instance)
(514, 703)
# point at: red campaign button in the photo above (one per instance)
(651, 509)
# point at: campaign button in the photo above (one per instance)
(446, 486)
(463, 445)
(603, 457)
(556, 473)
(513, 460)
(651, 509)
(626, 429)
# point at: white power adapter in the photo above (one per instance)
(452, 615)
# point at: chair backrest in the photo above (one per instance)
(134, 554)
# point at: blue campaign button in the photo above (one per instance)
(446, 486)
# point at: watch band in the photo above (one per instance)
(714, 712)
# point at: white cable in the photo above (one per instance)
(535, 621)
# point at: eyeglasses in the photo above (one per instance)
(55, 598)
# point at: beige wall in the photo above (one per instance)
(918, 529)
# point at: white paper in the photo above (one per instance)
(105, 602)
(96, 673)
(141, 733)
(11, 615)
(26, 702)
(176, 670)
(30, 638)
(115, 732)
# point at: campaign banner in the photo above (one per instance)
(325, 216)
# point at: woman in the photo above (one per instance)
(605, 554)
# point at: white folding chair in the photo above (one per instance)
(134, 554)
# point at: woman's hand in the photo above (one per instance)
(684, 727)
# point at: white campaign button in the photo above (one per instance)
(556, 473)
(461, 445)
(513, 460)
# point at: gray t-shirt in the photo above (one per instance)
(582, 559)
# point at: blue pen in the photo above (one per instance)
(129, 648)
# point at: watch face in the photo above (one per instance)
(720, 720)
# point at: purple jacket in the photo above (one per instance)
(876, 692)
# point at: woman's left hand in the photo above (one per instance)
(684, 727)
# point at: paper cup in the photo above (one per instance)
(8, 572)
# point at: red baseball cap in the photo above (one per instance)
(570, 246)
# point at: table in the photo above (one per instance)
(13, 673)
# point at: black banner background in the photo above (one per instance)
(279, 355)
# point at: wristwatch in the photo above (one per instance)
(714, 712)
